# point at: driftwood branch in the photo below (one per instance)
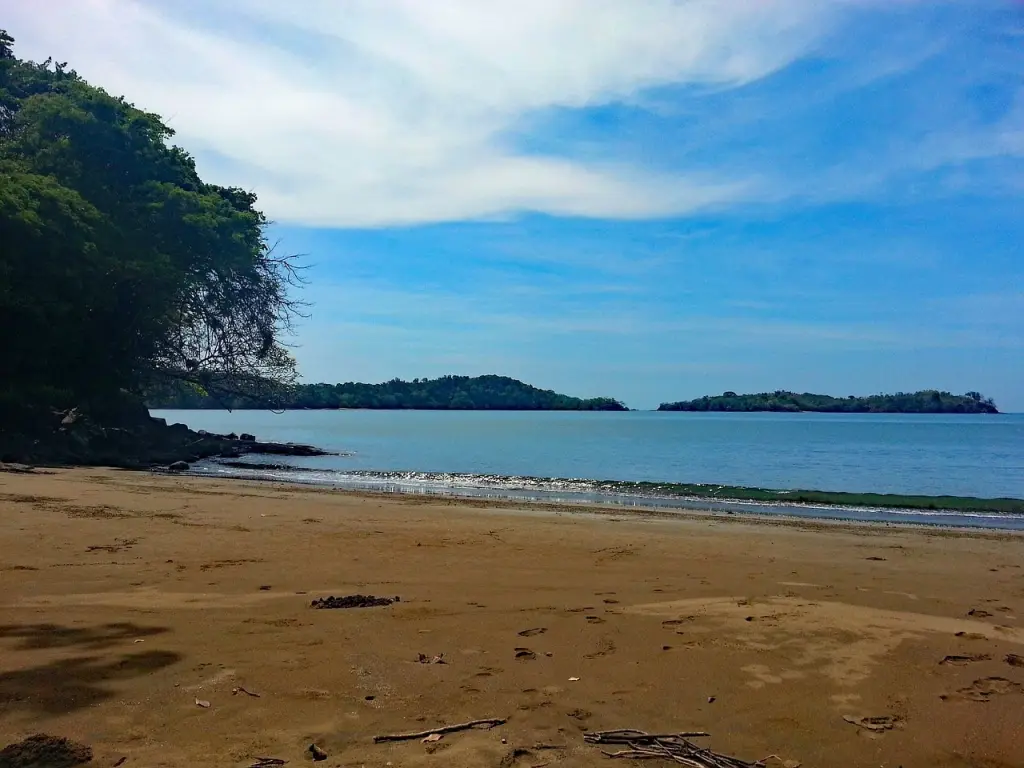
(666, 746)
(626, 736)
(490, 722)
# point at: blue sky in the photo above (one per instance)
(647, 199)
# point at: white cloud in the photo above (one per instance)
(379, 112)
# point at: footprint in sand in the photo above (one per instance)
(533, 631)
(984, 689)
(525, 654)
(763, 675)
(968, 658)
(604, 648)
(595, 620)
(971, 636)
(521, 757)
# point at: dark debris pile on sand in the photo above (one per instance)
(43, 751)
(353, 601)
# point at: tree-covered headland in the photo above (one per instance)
(120, 268)
(456, 393)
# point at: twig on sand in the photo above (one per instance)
(666, 746)
(490, 722)
(627, 736)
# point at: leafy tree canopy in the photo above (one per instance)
(119, 266)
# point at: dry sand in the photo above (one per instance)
(125, 597)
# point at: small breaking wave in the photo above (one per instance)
(662, 497)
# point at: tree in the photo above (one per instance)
(121, 269)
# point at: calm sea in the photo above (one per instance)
(518, 453)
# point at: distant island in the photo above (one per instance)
(925, 401)
(448, 393)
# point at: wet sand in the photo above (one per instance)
(125, 597)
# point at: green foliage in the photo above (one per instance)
(926, 401)
(445, 393)
(120, 267)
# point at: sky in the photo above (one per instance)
(646, 199)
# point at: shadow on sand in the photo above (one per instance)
(64, 685)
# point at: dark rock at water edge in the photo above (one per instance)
(259, 466)
(124, 436)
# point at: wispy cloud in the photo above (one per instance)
(400, 113)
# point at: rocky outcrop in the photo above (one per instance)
(124, 437)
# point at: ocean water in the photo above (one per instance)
(519, 454)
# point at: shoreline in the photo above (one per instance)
(972, 514)
(131, 595)
(624, 513)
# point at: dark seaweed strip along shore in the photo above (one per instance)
(832, 498)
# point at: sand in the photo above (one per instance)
(126, 597)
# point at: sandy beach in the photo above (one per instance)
(127, 597)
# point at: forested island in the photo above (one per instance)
(925, 401)
(447, 393)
